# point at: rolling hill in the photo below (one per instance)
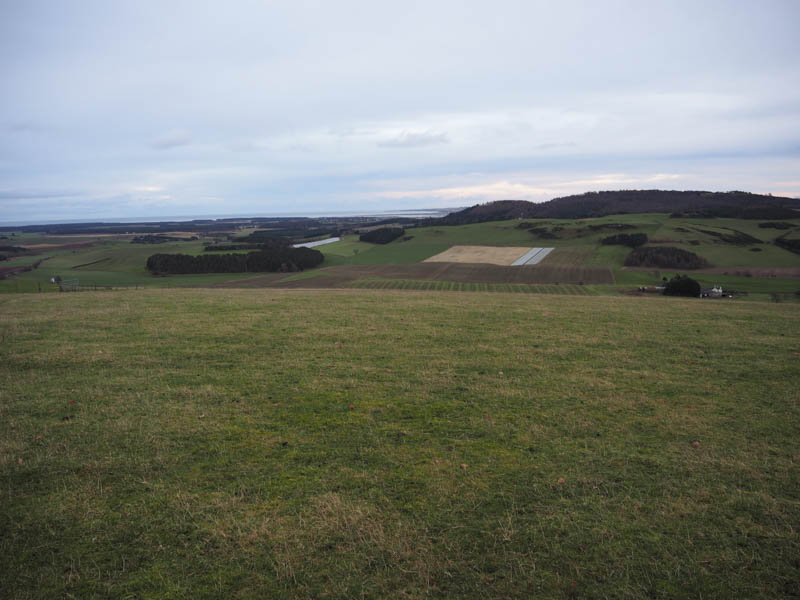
(742, 205)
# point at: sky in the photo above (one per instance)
(154, 108)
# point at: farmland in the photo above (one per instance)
(359, 443)
(743, 257)
(430, 271)
(494, 255)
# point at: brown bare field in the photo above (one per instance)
(340, 276)
(492, 255)
(568, 257)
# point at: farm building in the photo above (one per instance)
(713, 292)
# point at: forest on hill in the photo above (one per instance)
(740, 205)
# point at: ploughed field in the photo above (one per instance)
(346, 275)
(351, 443)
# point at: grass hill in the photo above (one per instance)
(341, 444)
(599, 204)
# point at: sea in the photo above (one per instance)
(418, 213)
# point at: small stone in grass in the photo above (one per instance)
(463, 466)
(562, 480)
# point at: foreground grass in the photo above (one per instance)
(240, 443)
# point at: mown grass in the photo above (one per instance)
(240, 443)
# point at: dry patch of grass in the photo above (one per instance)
(493, 255)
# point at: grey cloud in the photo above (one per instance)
(26, 127)
(554, 145)
(409, 139)
(172, 139)
(37, 195)
(365, 90)
(349, 131)
(245, 146)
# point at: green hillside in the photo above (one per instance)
(660, 228)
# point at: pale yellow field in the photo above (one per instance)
(491, 255)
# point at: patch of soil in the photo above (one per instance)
(340, 276)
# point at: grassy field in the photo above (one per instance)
(380, 444)
(108, 261)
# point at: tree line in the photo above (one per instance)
(384, 235)
(269, 260)
(665, 257)
(633, 240)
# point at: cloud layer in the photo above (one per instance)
(255, 108)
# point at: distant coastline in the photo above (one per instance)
(418, 213)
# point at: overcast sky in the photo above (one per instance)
(155, 108)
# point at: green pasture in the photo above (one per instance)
(732, 282)
(350, 251)
(387, 444)
(428, 241)
(110, 262)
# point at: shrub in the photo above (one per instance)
(792, 245)
(634, 240)
(665, 257)
(739, 238)
(776, 225)
(384, 235)
(542, 233)
(682, 285)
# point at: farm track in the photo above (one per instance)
(344, 276)
(257, 281)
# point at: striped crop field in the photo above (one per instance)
(348, 275)
(461, 286)
(576, 256)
